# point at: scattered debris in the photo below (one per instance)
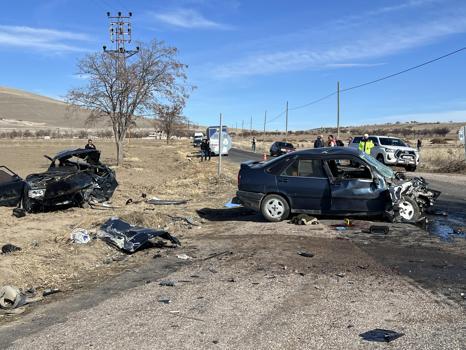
(375, 229)
(231, 280)
(167, 283)
(19, 212)
(340, 274)
(341, 228)
(167, 201)
(10, 248)
(231, 204)
(304, 219)
(432, 211)
(130, 238)
(165, 300)
(463, 295)
(380, 335)
(363, 267)
(50, 291)
(211, 269)
(188, 220)
(342, 238)
(80, 236)
(11, 299)
(306, 254)
(218, 254)
(184, 257)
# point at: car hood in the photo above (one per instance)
(399, 148)
(80, 153)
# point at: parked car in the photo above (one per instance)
(197, 139)
(73, 178)
(279, 147)
(331, 181)
(391, 151)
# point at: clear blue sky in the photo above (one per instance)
(248, 56)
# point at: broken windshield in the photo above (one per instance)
(384, 170)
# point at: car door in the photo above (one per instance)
(11, 187)
(353, 188)
(306, 185)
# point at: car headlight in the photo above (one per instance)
(389, 150)
(36, 193)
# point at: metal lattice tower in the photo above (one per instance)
(120, 35)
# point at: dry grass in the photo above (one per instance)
(443, 159)
(47, 258)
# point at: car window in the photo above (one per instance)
(374, 140)
(277, 166)
(388, 141)
(357, 139)
(5, 177)
(348, 169)
(305, 168)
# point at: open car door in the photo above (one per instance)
(353, 188)
(11, 187)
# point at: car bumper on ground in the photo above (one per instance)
(250, 200)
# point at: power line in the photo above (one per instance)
(379, 79)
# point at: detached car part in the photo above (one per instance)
(130, 238)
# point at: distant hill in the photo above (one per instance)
(24, 110)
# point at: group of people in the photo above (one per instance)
(205, 149)
(332, 141)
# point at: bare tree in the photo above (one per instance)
(118, 90)
(169, 117)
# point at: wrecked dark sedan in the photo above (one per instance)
(74, 177)
(331, 181)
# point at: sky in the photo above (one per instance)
(249, 57)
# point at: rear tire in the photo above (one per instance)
(408, 210)
(275, 208)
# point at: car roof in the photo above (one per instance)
(337, 151)
(389, 137)
(79, 152)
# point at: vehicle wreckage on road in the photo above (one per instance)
(74, 177)
(331, 181)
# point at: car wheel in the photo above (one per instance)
(408, 210)
(410, 168)
(275, 208)
(380, 159)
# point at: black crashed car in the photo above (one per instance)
(280, 147)
(73, 178)
(331, 181)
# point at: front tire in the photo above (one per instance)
(275, 208)
(408, 210)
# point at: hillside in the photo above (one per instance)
(24, 110)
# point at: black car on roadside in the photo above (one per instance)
(331, 181)
(280, 147)
(74, 177)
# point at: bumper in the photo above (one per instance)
(393, 160)
(251, 200)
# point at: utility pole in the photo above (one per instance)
(242, 128)
(250, 126)
(120, 35)
(220, 144)
(265, 120)
(338, 110)
(286, 123)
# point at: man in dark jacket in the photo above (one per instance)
(319, 142)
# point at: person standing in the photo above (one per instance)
(319, 142)
(203, 149)
(366, 144)
(330, 141)
(419, 144)
(89, 145)
(207, 149)
(253, 144)
(350, 140)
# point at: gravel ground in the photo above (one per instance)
(260, 294)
